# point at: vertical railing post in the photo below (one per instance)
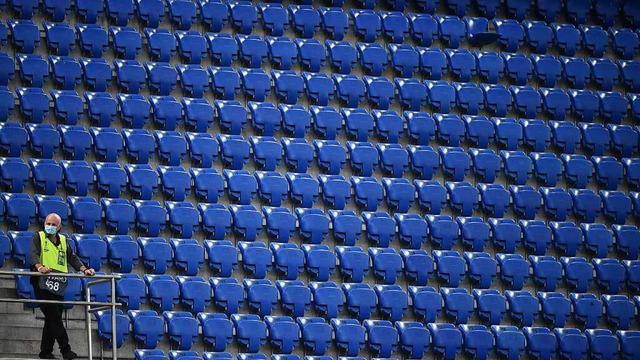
(114, 335)
(87, 315)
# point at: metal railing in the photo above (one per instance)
(89, 306)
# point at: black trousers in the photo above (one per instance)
(53, 329)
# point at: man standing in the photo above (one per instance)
(50, 253)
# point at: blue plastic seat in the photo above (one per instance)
(335, 22)
(511, 34)
(313, 55)
(15, 174)
(316, 335)
(267, 152)
(478, 341)
(228, 295)
(479, 130)
(93, 39)
(572, 343)
(602, 343)
(387, 263)
(548, 69)
(382, 337)
(367, 24)
(363, 157)
(66, 71)
(400, 194)
(412, 93)
(284, 333)
(272, 187)
(557, 203)
(283, 52)
(368, 192)
(395, 26)
(256, 84)
(451, 29)
(105, 330)
(234, 150)
(441, 94)
(110, 178)
(608, 171)
(199, 114)
(526, 100)
(616, 206)
(223, 49)
(194, 81)
(247, 220)
(604, 73)
(497, 99)
(613, 106)
(510, 342)
(91, 249)
(491, 305)
(295, 297)
(412, 230)
(625, 235)
(537, 134)
(288, 258)
(628, 343)
(427, 303)
(68, 108)
(244, 16)
(518, 67)
(34, 70)
(161, 44)
(13, 138)
(595, 40)
(253, 50)
(404, 59)
(619, 310)
(556, 103)
(629, 71)
(482, 267)
(223, 257)
(319, 88)
(163, 290)
(469, 98)
(86, 213)
(578, 170)
(361, 300)
(424, 161)
(47, 175)
(232, 115)
(303, 189)
(578, 274)
(182, 13)
(576, 72)
(305, 20)
(566, 136)
(217, 330)
(625, 42)
(433, 63)
(262, 295)
(275, 19)
(455, 162)
(336, 190)
(443, 230)
(242, 186)
(451, 267)
(610, 275)
(495, 199)
(119, 215)
(163, 78)
(463, 196)
(526, 201)
(514, 270)
(331, 156)
(518, 166)
(25, 35)
(349, 336)
(148, 327)
(34, 106)
(547, 168)
(183, 216)
(432, 196)
(539, 36)
(547, 272)
(225, 82)
(298, 154)
(9, 69)
(343, 56)
(446, 340)
(150, 216)
(256, 258)
(541, 343)
(127, 41)
(288, 85)
(195, 292)
(587, 204)
(509, 133)
(394, 159)
(131, 75)
(490, 66)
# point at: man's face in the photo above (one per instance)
(52, 221)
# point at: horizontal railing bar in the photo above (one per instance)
(35, 273)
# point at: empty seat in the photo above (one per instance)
(446, 339)
(619, 310)
(458, 304)
(510, 342)
(228, 295)
(491, 305)
(256, 84)
(368, 192)
(130, 74)
(288, 258)
(400, 194)
(587, 204)
(514, 270)
(256, 259)
(511, 34)
(247, 222)
(556, 103)
(629, 72)
(223, 49)
(495, 199)
(163, 77)
(387, 264)
(303, 189)
(463, 196)
(34, 105)
(604, 73)
(616, 206)
(336, 190)
(567, 38)
(541, 343)
(105, 330)
(595, 40)
(343, 56)
(194, 80)
(295, 297)
(349, 336)
(539, 36)
(526, 201)
(262, 295)
(497, 99)
(367, 24)
(451, 267)
(404, 59)
(478, 341)
(25, 35)
(433, 62)
(272, 187)
(578, 273)
(223, 257)
(602, 343)
(608, 171)
(444, 231)
(305, 20)
(578, 170)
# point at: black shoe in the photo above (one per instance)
(46, 356)
(69, 355)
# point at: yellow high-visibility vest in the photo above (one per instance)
(52, 256)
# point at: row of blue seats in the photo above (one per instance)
(289, 261)
(244, 16)
(272, 187)
(368, 25)
(381, 337)
(283, 52)
(359, 300)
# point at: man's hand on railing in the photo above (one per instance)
(89, 272)
(44, 270)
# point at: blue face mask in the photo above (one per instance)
(50, 229)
